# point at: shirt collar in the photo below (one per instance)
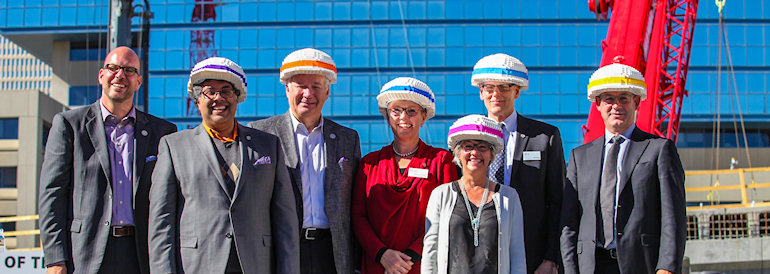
(626, 134)
(106, 113)
(511, 121)
(296, 124)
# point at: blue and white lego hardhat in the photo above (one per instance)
(502, 68)
(409, 89)
(218, 68)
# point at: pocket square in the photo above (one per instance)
(150, 158)
(265, 160)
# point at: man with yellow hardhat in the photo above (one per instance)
(624, 204)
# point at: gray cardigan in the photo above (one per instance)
(511, 256)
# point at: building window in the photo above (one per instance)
(84, 95)
(728, 138)
(9, 128)
(7, 177)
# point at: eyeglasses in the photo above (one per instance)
(129, 71)
(411, 112)
(620, 99)
(502, 88)
(211, 93)
(480, 147)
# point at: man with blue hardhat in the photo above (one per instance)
(532, 160)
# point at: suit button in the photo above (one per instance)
(620, 234)
(229, 236)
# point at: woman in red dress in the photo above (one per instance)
(393, 185)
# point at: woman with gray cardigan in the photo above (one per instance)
(474, 225)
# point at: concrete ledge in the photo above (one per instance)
(728, 254)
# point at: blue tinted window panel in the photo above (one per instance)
(435, 57)
(304, 11)
(488, 9)
(397, 37)
(416, 10)
(379, 10)
(67, 15)
(418, 57)
(492, 36)
(568, 104)
(568, 56)
(417, 37)
(472, 55)
(380, 57)
(472, 36)
(569, 9)
(9, 128)
(397, 12)
(511, 35)
(342, 87)
(175, 38)
(528, 104)
(229, 38)
(455, 36)
(550, 103)
(267, 12)
(530, 35)
(285, 36)
(176, 14)
(341, 11)
(511, 9)
(266, 59)
(549, 82)
(454, 9)
(756, 103)
(549, 35)
(381, 37)
(587, 34)
(530, 9)
(360, 11)
(248, 39)
(249, 12)
(435, 36)
(248, 58)
(549, 56)
(228, 13)
(360, 58)
(455, 104)
(266, 106)
(398, 58)
(175, 60)
(341, 37)
(435, 10)
(341, 57)
(32, 17)
(323, 11)
(755, 36)
(266, 39)
(530, 56)
(361, 37)
(285, 11)
(756, 55)
(457, 83)
(176, 86)
(342, 105)
(304, 38)
(248, 107)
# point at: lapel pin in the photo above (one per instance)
(332, 135)
(248, 137)
(522, 135)
(144, 133)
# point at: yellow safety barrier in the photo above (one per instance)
(742, 186)
(20, 232)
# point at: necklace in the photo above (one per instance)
(475, 221)
(404, 155)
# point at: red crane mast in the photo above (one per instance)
(655, 37)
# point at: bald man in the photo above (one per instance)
(96, 174)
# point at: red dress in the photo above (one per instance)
(389, 207)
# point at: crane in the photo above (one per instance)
(655, 37)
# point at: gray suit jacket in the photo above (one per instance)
(650, 218)
(540, 184)
(193, 219)
(76, 185)
(343, 152)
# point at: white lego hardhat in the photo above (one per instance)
(500, 67)
(308, 61)
(218, 68)
(409, 89)
(616, 77)
(476, 127)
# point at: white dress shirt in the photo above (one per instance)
(509, 133)
(312, 158)
(621, 155)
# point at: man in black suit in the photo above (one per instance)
(532, 161)
(95, 179)
(624, 204)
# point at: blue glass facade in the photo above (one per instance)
(436, 41)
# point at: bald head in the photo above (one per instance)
(123, 54)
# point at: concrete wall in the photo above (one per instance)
(703, 158)
(34, 110)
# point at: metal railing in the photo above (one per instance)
(16, 219)
(741, 186)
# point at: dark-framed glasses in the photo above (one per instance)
(211, 92)
(616, 99)
(501, 88)
(411, 112)
(130, 71)
(480, 147)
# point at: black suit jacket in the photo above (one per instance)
(650, 218)
(75, 186)
(539, 184)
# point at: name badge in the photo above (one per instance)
(418, 173)
(531, 155)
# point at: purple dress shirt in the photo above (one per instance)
(120, 143)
